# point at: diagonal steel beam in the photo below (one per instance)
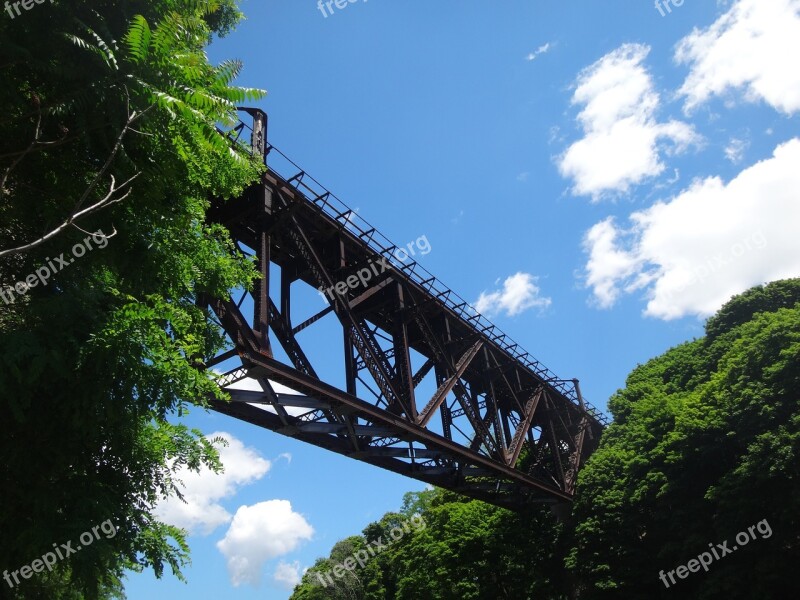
(287, 340)
(235, 325)
(473, 415)
(310, 321)
(447, 386)
(462, 396)
(477, 441)
(423, 371)
(512, 456)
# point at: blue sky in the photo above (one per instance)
(596, 177)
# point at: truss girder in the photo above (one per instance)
(399, 336)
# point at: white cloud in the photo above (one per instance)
(258, 534)
(203, 490)
(735, 150)
(543, 49)
(623, 141)
(607, 263)
(689, 255)
(753, 47)
(287, 575)
(519, 293)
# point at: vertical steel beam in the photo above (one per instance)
(261, 293)
(554, 445)
(286, 297)
(349, 362)
(402, 356)
(577, 456)
(444, 410)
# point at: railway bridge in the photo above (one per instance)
(425, 386)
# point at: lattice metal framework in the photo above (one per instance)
(427, 388)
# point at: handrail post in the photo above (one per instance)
(258, 139)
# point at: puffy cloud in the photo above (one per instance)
(690, 254)
(258, 534)
(608, 263)
(753, 47)
(623, 141)
(287, 575)
(519, 293)
(203, 490)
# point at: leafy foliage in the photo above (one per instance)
(467, 549)
(705, 443)
(98, 357)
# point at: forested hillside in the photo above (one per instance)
(694, 492)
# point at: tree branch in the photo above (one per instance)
(105, 202)
(133, 117)
(78, 211)
(42, 146)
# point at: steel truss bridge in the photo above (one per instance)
(427, 387)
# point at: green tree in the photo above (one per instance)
(109, 127)
(320, 583)
(705, 443)
(459, 549)
(58, 586)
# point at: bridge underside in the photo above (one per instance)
(422, 385)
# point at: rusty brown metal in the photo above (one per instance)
(509, 432)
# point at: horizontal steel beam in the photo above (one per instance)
(255, 397)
